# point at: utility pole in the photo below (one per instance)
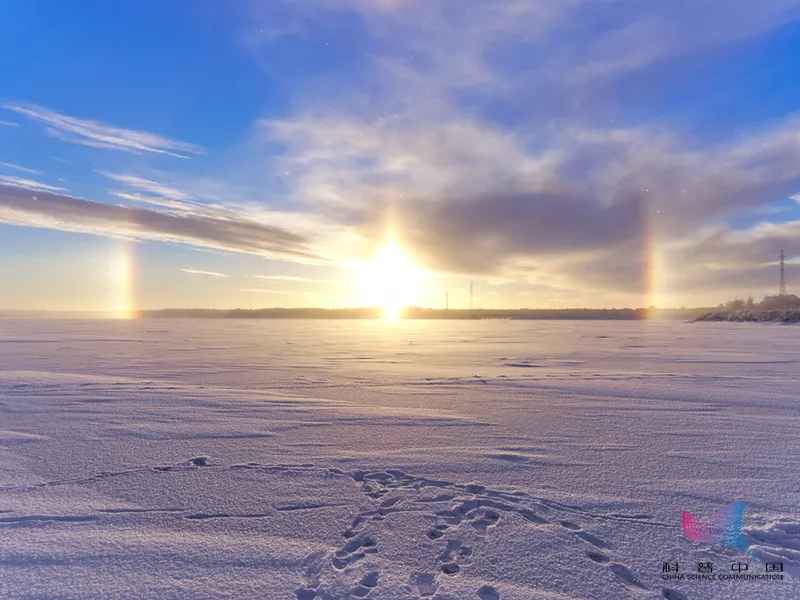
(447, 300)
(470, 297)
(782, 287)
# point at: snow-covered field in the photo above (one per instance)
(451, 460)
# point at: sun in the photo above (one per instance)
(392, 280)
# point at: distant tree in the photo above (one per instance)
(750, 302)
(780, 302)
(737, 304)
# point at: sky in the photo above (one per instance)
(332, 153)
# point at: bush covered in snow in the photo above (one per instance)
(753, 315)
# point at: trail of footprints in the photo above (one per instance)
(474, 511)
(347, 572)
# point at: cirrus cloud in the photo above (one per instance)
(207, 273)
(21, 206)
(101, 135)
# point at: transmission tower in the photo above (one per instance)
(782, 287)
(470, 296)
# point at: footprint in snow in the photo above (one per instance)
(454, 556)
(353, 551)
(592, 539)
(627, 577)
(426, 584)
(598, 558)
(487, 592)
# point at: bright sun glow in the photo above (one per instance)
(392, 280)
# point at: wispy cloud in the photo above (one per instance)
(278, 292)
(208, 273)
(168, 197)
(147, 185)
(427, 50)
(182, 197)
(239, 234)
(8, 124)
(171, 205)
(292, 278)
(635, 36)
(28, 184)
(18, 168)
(101, 135)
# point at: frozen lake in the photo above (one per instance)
(453, 460)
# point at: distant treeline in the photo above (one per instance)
(785, 302)
(757, 315)
(415, 312)
(772, 309)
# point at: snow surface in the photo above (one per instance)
(450, 460)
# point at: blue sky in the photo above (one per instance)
(582, 153)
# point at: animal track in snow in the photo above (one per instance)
(453, 557)
(310, 579)
(592, 539)
(487, 592)
(204, 516)
(425, 583)
(598, 558)
(627, 577)
(370, 580)
(45, 518)
(353, 551)
(480, 509)
(460, 516)
(187, 465)
(623, 573)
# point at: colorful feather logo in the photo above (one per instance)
(724, 528)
